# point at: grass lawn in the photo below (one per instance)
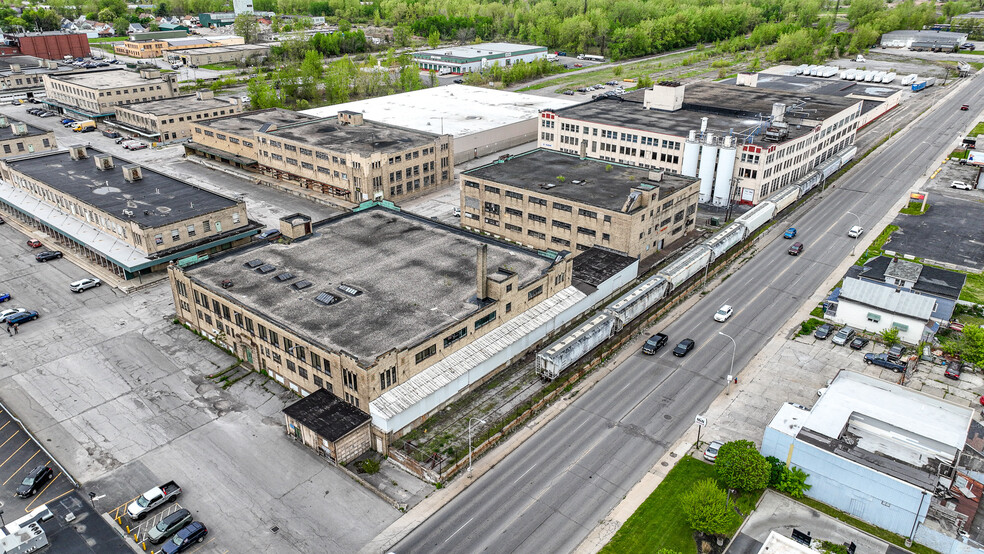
(107, 39)
(914, 208)
(575, 79)
(218, 66)
(879, 243)
(660, 523)
(977, 130)
(973, 291)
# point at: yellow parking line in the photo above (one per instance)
(15, 451)
(4, 425)
(11, 436)
(69, 491)
(22, 466)
(202, 545)
(40, 492)
(116, 510)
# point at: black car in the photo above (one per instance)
(459, 81)
(884, 361)
(859, 342)
(952, 371)
(686, 345)
(185, 538)
(654, 343)
(48, 255)
(896, 352)
(34, 481)
(111, 134)
(269, 234)
(823, 331)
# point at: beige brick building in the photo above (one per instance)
(18, 138)
(95, 94)
(140, 48)
(171, 119)
(218, 54)
(549, 200)
(128, 219)
(742, 142)
(344, 155)
(368, 300)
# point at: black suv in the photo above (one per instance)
(34, 481)
(48, 255)
(186, 538)
(823, 331)
(654, 343)
(896, 352)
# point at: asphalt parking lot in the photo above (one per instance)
(121, 397)
(949, 231)
(86, 532)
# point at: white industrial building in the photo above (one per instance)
(476, 57)
(884, 453)
(906, 38)
(482, 121)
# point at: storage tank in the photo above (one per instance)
(724, 239)
(692, 262)
(784, 198)
(725, 171)
(562, 354)
(757, 217)
(638, 300)
(708, 157)
(691, 154)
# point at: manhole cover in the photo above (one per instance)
(275, 528)
(667, 417)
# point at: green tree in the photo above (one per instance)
(247, 27)
(617, 70)
(865, 11)
(740, 466)
(162, 9)
(434, 38)
(106, 15)
(706, 508)
(890, 336)
(401, 35)
(344, 26)
(793, 482)
(120, 26)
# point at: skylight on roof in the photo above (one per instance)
(285, 276)
(266, 268)
(327, 298)
(301, 285)
(253, 263)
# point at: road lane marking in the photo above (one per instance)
(459, 529)
(16, 471)
(524, 473)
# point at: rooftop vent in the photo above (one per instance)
(78, 152)
(15, 68)
(301, 285)
(285, 276)
(204, 95)
(253, 264)
(19, 129)
(266, 268)
(3, 121)
(132, 172)
(327, 298)
(351, 291)
(103, 161)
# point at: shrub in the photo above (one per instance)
(369, 466)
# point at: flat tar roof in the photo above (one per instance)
(365, 138)
(246, 123)
(177, 105)
(413, 276)
(155, 200)
(7, 133)
(225, 49)
(807, 86)
(728, 109)
(456, 110)
(109, 78)
(477, 51)
(589, 181)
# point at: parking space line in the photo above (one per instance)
(5, 424)
(15, 451)
(40, 492)
(6, 441)
(70, 491)
(202, 545)
(116, 510)
(16, 471)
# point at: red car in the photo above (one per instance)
(34, 243)
(965, 107)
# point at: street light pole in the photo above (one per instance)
(855, 238)
(469, 441)
(735, 349)
(92, 498)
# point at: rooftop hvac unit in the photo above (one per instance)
(19, 129)
(78, 152)
(132, 172)
(103, 161)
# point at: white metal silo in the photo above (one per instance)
(725, 170)
(708, 156)
(691, 155)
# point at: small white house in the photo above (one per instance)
(875, 307)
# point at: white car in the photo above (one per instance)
(961, 185)
(724, 313)
(855, 231)
(83, 284)
(7, 313)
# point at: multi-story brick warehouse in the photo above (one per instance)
(171, 118)
(127, 219)
(343, 155)
(549, 200)
(365, 302)
(95, 94)
(743, 143)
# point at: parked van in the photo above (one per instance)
(84, 126)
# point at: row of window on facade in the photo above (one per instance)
(151, 122)
(190, 230)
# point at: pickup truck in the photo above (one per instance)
(886, 362)
(146, 502)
